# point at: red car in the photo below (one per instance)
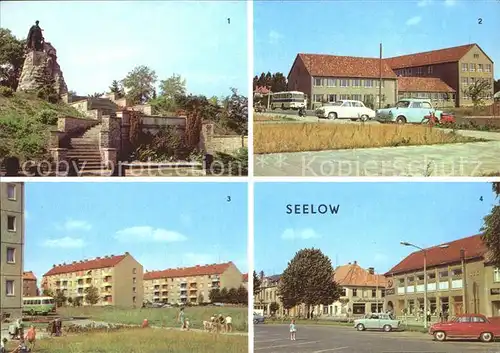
(471, 326)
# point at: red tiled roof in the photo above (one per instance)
(423, 84)
(437, 256)
(345, 66)
(245, 277)
(29, 276)
(86, 265)
(439, 56)
(262, 90)
(354, 275)
(214, 269)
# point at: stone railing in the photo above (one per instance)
(110, 139)
(212, 143)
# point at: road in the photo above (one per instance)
(330, 339)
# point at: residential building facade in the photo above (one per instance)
(11, 249)
(190, 284)
(269, 294)
(362, 292)
(458, 67)
(118, 279)
(438, 92)
(30, 288)
(459, 280)
(330, 78)
(245, 280)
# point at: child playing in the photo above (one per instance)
(31, 337)
(293, 329)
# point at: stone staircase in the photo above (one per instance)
(85, 148)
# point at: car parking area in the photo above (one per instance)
(270, 338)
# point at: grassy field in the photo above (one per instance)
(143, 341)
(276, 138)
(165, 317)
(25, 122)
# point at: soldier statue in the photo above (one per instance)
(35, 38)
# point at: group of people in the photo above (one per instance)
(217, 323)
(26, 342)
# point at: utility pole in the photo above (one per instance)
(380, 80)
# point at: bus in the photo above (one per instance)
(38, 305)
(288, 100)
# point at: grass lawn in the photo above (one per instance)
(144, 341)
(276, 138)
(166, 317)
(263, 117)
(25, 124)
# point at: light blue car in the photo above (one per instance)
(410, 110)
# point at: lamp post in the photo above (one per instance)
(464, 284)
(404, 243)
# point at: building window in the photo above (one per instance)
(9, 288)
(11, 223)
(496, 274)
(429, 69)
(383, 293)
(378, 83)
(11, 255)
(374, 293)
(133, 290)
(357, 97)
(472, 80)
(368, 83)
(134, 280)
(480, 67)
(465, 80)
(356, 83)
(354, 292)
(488, 68)
(11, 192)
(344, 292)
(134, 271)
(344, 83)
(464, 67)
(318, 98)
(331, 82)
(457, 272)
(332, 98)
(476, 56)
(344, 97)
(317, 82)
(472, 67)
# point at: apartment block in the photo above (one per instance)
(30, 288)
(268, 294)
(459, 280)
(11, 249)
(118, 279)
(190, 284)
(458, 67)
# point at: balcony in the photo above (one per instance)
(183, 296)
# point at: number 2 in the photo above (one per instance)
(480, 21)
(228, 199)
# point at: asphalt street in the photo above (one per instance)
(326, 339)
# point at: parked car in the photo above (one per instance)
(377, 321)
(258, 319)
(346, 109)
(411, 110)
(471, 326)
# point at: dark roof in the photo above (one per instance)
(423, 84)
(86, 265)
(345, 66)
(437, 256)
(213, 269)
(273, 278)
(439, 56)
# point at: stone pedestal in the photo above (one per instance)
(109, 157)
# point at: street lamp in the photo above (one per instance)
(404, 243)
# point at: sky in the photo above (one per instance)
(372, 219)
(101, 41)
(357, 27)
(162, 225)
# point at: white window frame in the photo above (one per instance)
(9, 229)
(342, 81)
(465, 67)
(488, 68)
(13, 292)
(13, 188)
(429, 69)
(331, 80)
(472, 67)
(368, 83)
(320, 80)
(480, 67)
(496, 274)
(13, 261)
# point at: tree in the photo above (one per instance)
(496, 86)
(70, 301)
(308, 279)
(117, 89)
(77, 301)
(232, 296)
(242, 296)
(173, 86)
(256, 283)
(477, 91)
(491, 229)
(12, 55)
(224, 295)
(139, 84)
(214, 295)
(60, 299)
(96, 95)
(276, 82)
(201, 299)
(47, 293)
(273, 308)
(91, 295)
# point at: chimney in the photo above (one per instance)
(127, 253)
(74, 262)
(355, 262)
(53, 266)
(98, 258)
(371, 270)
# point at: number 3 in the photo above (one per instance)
(228, 199)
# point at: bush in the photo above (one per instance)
(6, 91)
(47, 117)
(231, 164)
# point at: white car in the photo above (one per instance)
(346, 109)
